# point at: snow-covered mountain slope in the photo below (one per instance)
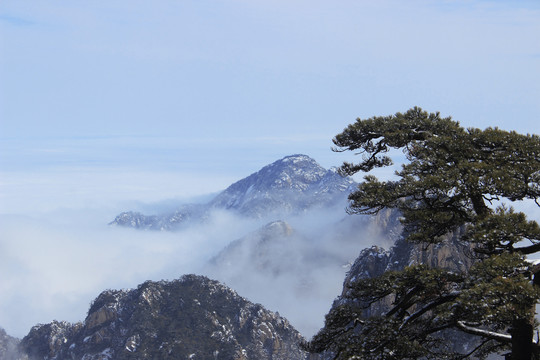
(190, 318)
(290, 186)
(293, 184)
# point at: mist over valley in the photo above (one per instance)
(266, 241)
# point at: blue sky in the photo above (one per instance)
(112, 105)
(221, 88)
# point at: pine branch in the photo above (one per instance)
(531, 249)
(428, 307)
(468, 355)
(483, 333)
(405, 302)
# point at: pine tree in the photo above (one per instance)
(453, 178)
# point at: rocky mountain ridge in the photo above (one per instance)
(189, 318)
(291, 185)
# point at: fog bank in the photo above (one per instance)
(53, 265)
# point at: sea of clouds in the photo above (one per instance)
(54, 264)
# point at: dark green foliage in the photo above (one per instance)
(451, 173)
(450, 181)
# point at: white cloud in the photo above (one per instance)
(53, 266)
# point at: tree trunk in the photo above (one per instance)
(522, 337)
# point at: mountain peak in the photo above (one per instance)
(278, 227)
(294, 171)
(295, 158)
(193, 317)
(291, 185)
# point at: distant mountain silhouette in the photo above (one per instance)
(292, 185)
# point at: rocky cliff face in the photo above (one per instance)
(190, 318)
(292, 185)
(374, 261)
